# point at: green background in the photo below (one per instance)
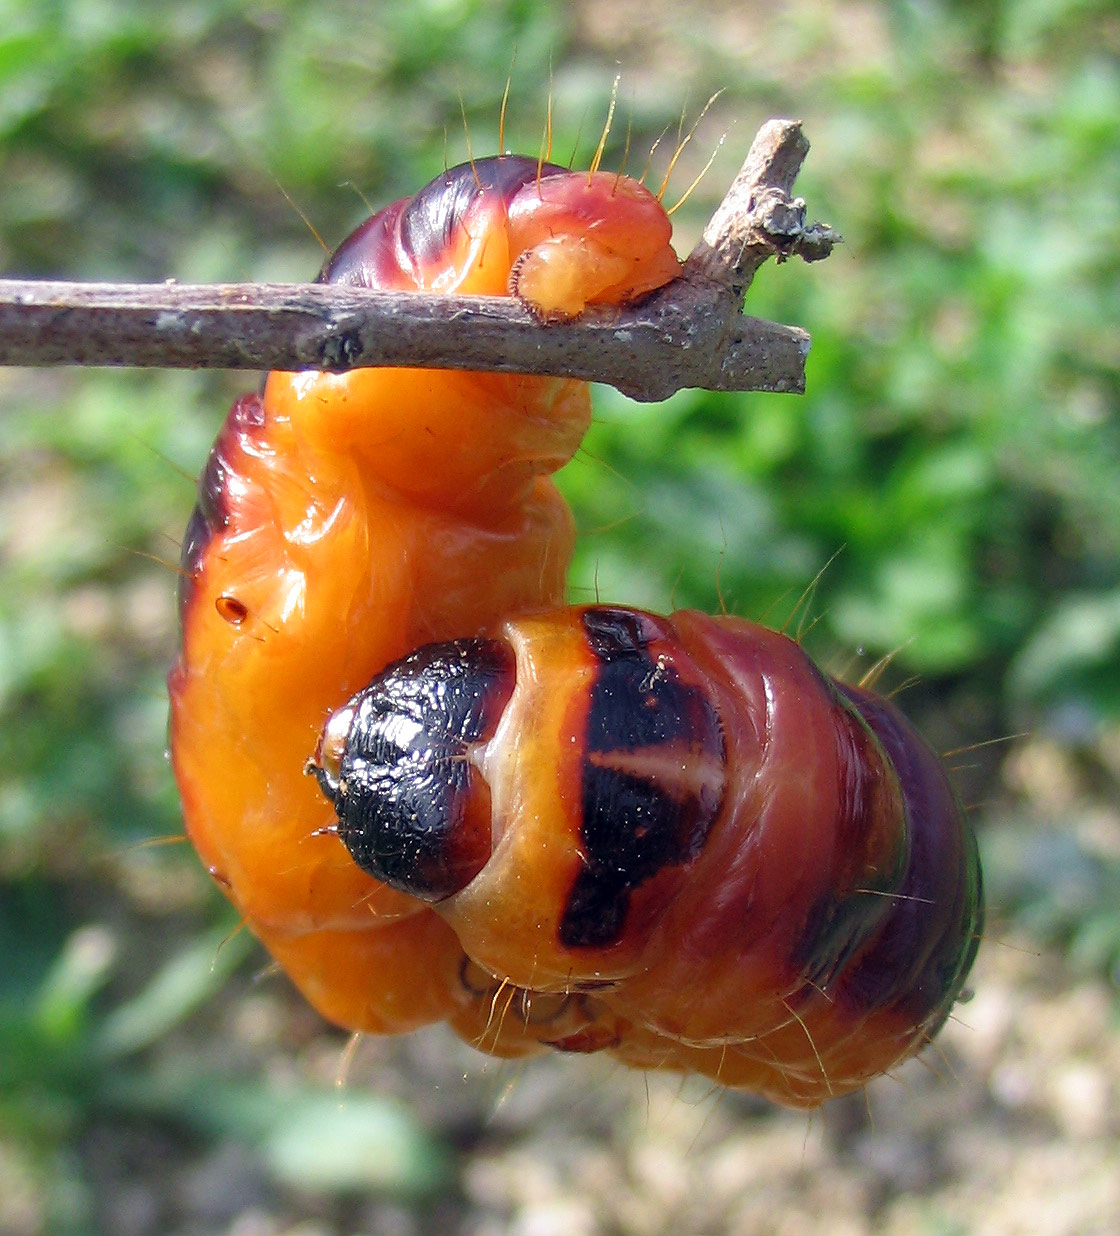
(946, 493)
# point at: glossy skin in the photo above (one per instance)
(344, 520)
(702, 852)
(670, 839)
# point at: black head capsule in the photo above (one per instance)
(412, 808)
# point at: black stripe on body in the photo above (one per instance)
(652, 778)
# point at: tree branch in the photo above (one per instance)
(690, 333)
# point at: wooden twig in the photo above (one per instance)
(691, 333)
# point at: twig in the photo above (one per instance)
(691, 333)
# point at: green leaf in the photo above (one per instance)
(193, 976)
(325, 1140)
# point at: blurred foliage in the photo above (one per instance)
(948, 491)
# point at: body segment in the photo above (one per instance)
(344, 520)
(725, 860)
(585, 829)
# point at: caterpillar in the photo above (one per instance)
(582, 829)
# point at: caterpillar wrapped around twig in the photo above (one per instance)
(671, 839)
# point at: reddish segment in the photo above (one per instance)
(345, 519)
(703, 853)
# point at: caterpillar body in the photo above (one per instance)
(584, 829)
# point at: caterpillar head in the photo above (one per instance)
(395, 762)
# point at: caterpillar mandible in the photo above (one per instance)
(583, 829)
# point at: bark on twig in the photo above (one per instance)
(691, 333)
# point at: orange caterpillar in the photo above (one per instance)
(585, 829)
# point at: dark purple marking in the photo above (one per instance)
(431, 218)
(368, 257)
(414, 232)
(858, 901)
(211, 512)
(927, 943)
